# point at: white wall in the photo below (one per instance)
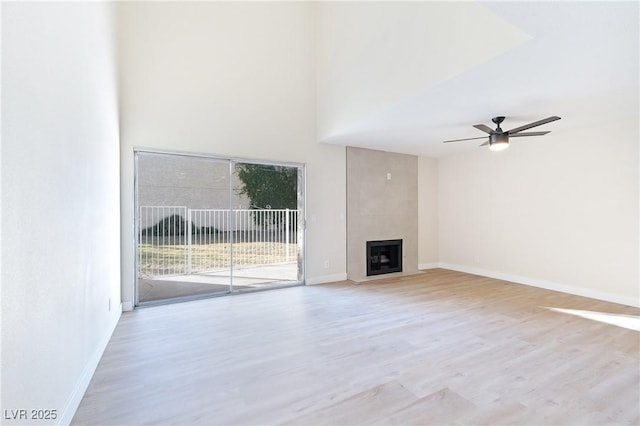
(427, 212)
(60, 199)
(229, 79)
(559, 212)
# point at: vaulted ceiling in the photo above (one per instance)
(404, 76)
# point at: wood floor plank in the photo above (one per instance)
(443, 406)
(363, 408)
(441, 347)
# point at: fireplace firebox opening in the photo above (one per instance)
(384, 257)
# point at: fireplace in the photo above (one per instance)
(384, 257)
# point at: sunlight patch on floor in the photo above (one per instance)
(632, 322)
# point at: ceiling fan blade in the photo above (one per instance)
(467, 139)
(484, 128)
(529, 134)
(485, 144)
(534, 124)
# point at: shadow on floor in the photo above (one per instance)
(153, 290)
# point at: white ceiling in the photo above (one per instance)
(405, 76)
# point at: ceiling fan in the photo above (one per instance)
(499, 139)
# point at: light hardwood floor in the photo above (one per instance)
(436, 348)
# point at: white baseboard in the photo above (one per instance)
(431, 265)
(90, 367)
(549, 285)
(127, 306)
(323, 279)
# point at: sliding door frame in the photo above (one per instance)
(232, 161)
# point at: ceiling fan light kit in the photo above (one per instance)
(499, 139)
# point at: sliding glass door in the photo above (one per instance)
(267, 210)
(207, 226)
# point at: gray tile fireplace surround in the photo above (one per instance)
(382, 204)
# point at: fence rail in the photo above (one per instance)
(174, 240)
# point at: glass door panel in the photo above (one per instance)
(183, 226)
(267, 207)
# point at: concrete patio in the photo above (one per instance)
(213, 282)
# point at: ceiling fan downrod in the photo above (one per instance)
(497, 121)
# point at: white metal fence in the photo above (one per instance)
(174, 240)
